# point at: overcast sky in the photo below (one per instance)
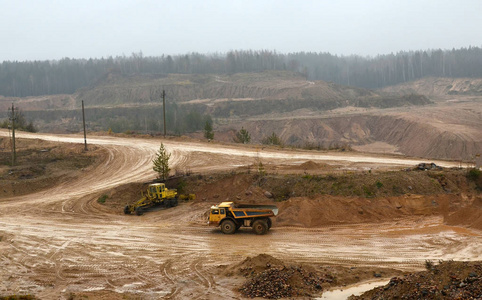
(40, 29)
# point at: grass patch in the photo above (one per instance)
(368, 191)
(102, 199)
(365, 184)
(473, 174)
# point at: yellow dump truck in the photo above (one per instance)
(156, 194)
(231, 217)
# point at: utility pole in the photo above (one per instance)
(348, 71)
(14, 151)
(83, 121)
(164, 109)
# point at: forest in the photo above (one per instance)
(65, 76)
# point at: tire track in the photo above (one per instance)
(167, 271)
(62, 238)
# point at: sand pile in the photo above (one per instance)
(328, 210)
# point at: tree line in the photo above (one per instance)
(65, 76)
(179, 119)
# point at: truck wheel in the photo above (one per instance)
(260, 227)
(228, 227)
(174, 202)
(127, 211)
(139, 211)
(269, 223)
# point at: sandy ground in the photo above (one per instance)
(61, 241)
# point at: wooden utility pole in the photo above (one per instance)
(164, 109)
(14, 152)
(83, 121)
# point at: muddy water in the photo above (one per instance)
(356, 290)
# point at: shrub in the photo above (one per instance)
(102, 199)
(428, 265)
(473, 174)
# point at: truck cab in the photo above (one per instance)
(217, 213)
(159, 191)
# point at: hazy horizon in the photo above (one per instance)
(51, 30)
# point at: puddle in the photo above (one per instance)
(356, 290)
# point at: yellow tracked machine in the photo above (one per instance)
(157, 194)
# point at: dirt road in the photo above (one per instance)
(60, 240)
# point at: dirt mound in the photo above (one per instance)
(268, 277)
(310, 165)
(252, 265)
(116, 199)
(227, 187)
(448, 280)
(282, 282)
(328, 210)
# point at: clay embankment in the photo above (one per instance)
(456, 139)
(435, 87)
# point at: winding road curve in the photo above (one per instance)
(58, 241)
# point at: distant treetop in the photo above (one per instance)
(65, 76)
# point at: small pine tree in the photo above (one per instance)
(261, 170)
(208, 130)
(161, 163)
(242, 136)
(273, 139)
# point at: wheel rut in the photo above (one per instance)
(57, 241)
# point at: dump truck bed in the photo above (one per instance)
(251, 210)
